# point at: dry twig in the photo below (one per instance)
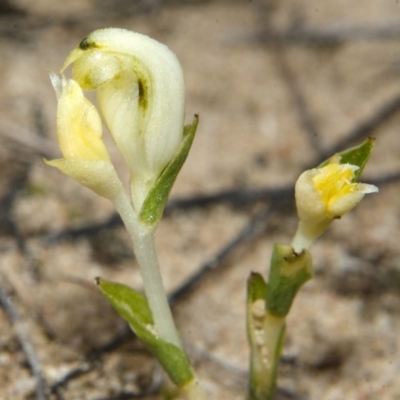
(22, 333)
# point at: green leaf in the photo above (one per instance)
(173, 360)
(256, 287)
(132, 307)
(358, 155)
(288, 272)
(154, 204)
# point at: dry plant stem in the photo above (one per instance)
(143, 246)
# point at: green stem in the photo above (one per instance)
(146, 256)
(266, 333)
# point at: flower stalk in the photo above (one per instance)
(146, 256)
(265, 333)
(267, 307)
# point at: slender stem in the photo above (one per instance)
(146, 256)
(154, 288)
(194, 391)
(265, 337)
(301, 239)
(143, 246)
(308, 232)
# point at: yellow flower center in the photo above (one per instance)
(334, 182)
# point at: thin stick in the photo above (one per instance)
(71, 375)
(234, 197)
(22, 333)
(299, 99)
(364, 128)
(29, 139)
(248, 233)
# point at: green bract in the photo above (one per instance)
(358, 155)
(154, 204)
(133, 308)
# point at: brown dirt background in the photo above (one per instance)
(277, 84)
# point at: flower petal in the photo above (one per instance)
(79, 127)
(97, 175)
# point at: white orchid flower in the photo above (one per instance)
(140, 91)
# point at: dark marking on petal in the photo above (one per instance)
(142, 95)
(87, 44)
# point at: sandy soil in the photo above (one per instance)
(277, 85)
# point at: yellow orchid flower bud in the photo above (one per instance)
(322, 195)
(140, 91)
(79, 135)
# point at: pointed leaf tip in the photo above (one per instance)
(153, 206)
(357, 155)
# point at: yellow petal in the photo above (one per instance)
(336, 188)
(96, 175)
(79, 127)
